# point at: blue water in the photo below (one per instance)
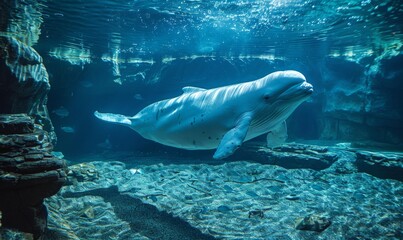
(120, 56)
(148, 29)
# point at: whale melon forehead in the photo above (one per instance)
(280, 81)
(289, 77)
(293, 74)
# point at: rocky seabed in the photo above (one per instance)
(232, 200)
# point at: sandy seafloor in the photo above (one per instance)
(119, 195)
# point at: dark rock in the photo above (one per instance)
(12, 124)
(37, 166)
(32, 219)
(346, 161)
(82, 172)
(299, 156)
(28, 174)
(292, 197)
(256, 214)
(24, 83)
(381, 164)
(37, 142)
(312, 223)
(43, 178)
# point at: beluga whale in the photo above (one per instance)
(220, 118)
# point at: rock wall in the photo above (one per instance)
(24, 82)
(361, 100)
(29, 173)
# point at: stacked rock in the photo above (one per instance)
(381, 164)
(28, 173)
(295, 155)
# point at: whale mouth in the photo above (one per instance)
(300, 90)
(306, 88)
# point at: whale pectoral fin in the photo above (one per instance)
(114, 118)
(277, 136)
(189, 89)
(233, 139)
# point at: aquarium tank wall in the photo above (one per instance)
(312, 151)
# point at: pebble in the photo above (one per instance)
(292, 197)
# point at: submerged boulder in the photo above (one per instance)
(312, 223)
(381, 164)
(295, 155)
(28, 173)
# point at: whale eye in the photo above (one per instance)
(266, 97)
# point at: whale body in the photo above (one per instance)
(221, 118)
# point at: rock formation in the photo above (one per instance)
(361, 101)
(381, 164)
(24, 82)
(28, 173)
(313, 223)
(231, 200)
(292, 155)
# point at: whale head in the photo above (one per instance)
(285, 86)
(280, 93)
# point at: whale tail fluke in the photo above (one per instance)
(114, 118)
